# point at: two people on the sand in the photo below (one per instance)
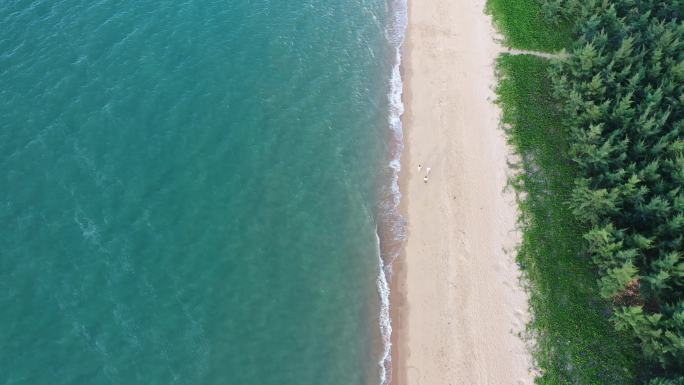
(427, 172)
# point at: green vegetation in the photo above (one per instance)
(576, 344)
(524, 26)
(623, 104)
(601, 140)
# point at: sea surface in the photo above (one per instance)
(192, 191)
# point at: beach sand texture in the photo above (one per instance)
(458, 303)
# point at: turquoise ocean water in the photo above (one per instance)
(191, 190)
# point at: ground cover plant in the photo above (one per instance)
(524, 26)
(575, 342)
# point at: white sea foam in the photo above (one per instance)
(385, 322)
(395, 36)
(391, 197)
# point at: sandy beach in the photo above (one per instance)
(458, 305)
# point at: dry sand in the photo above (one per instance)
(458, 305)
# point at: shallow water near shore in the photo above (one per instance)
(192, 190)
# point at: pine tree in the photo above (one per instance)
(622, 95)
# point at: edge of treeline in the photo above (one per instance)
(599, 174)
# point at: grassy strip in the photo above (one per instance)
(576, 344)
(524, 27)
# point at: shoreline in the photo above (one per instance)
(456, 302)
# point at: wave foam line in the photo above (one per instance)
(385, 362)
(395, 32)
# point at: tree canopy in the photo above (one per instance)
(622, 94)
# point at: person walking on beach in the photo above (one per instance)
(427, 175)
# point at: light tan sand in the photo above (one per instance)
(458, 303)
